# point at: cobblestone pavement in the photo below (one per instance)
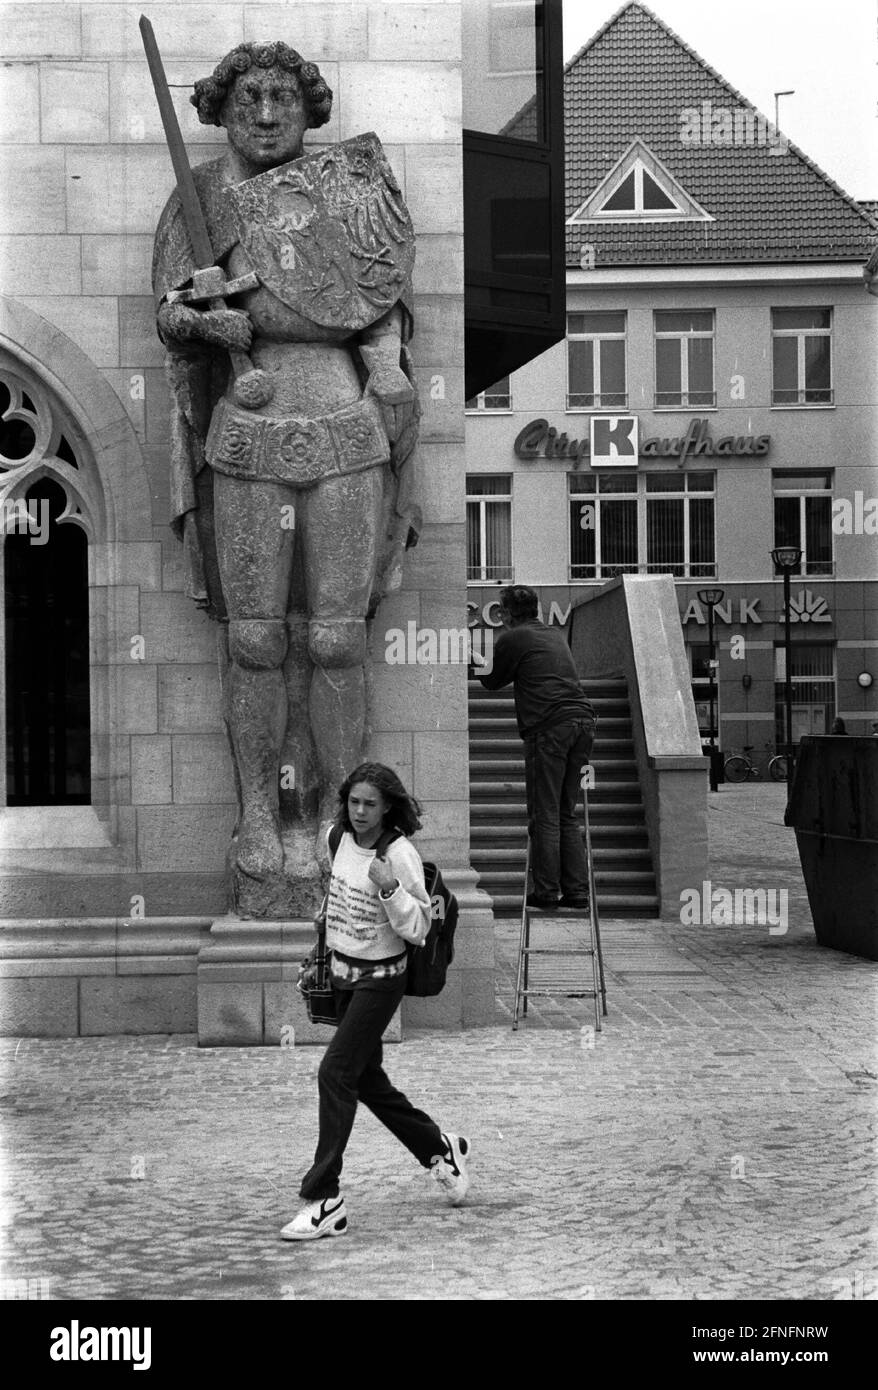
(713, 1141)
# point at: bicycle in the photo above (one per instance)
(778, 768)
(738, 767)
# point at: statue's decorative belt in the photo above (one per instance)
(293, 450)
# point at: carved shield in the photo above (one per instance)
(329, 234)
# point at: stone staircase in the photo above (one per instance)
(498, 820)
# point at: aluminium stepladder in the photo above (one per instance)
(592, 949)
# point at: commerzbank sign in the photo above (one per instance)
(614, 442)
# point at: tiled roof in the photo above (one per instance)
(635, 78)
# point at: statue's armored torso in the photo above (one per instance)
(317, 423)
(331, 244)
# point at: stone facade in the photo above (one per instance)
(85, 155)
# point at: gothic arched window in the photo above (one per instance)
(45, 605)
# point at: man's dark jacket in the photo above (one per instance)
(547, 690)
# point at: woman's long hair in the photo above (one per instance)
(403, 812)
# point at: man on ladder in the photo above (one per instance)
(557, 724)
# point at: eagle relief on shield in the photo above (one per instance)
(329, 234)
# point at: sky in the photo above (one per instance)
(825, 50)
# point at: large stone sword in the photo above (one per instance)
(209, 285)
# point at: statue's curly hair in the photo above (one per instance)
(211, 92)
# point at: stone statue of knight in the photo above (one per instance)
(290, 486)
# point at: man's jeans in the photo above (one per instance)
(553, 761)
(351, 1071)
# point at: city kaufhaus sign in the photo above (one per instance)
(615, 440)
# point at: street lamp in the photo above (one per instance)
(710, 598)
(787, 559)
(790, 92)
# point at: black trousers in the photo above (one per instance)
(553, 761)
(351, 1071)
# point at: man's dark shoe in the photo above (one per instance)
(580, 903)
(547, 904)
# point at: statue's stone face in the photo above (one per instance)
(265, 116)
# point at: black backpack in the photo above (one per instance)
(427, 964)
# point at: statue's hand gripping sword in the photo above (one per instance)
(209, 285)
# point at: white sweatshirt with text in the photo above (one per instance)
(362, 925)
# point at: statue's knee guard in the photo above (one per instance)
(337, 642)
(259, 644)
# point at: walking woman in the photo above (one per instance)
(375, 906)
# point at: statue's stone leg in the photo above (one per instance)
(257, 709)
(299, 793)
(338, 703)
(340, 545)
(255, 552)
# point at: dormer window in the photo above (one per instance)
(639, 189)
(639, 192)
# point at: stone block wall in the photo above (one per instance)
(87, 174)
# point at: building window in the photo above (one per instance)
(639, 188)
(680, 525)
(651, 523)
(497, 397)
(489, 528)
(603, 525)
(596, 374)
(803, 517)
(45, 603)
(639, 192)
(812, 677)
(684, 358)
(801, 342)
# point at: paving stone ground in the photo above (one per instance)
(715, 1140)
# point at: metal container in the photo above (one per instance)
(833, 809)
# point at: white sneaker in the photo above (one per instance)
(449, 1169)
(325, 1218)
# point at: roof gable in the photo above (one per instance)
(636, 81)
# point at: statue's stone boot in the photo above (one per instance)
(321, 847)
(259, 850)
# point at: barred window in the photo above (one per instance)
(603, 525)
(652, 523)
(812, 677)
(680, 538)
